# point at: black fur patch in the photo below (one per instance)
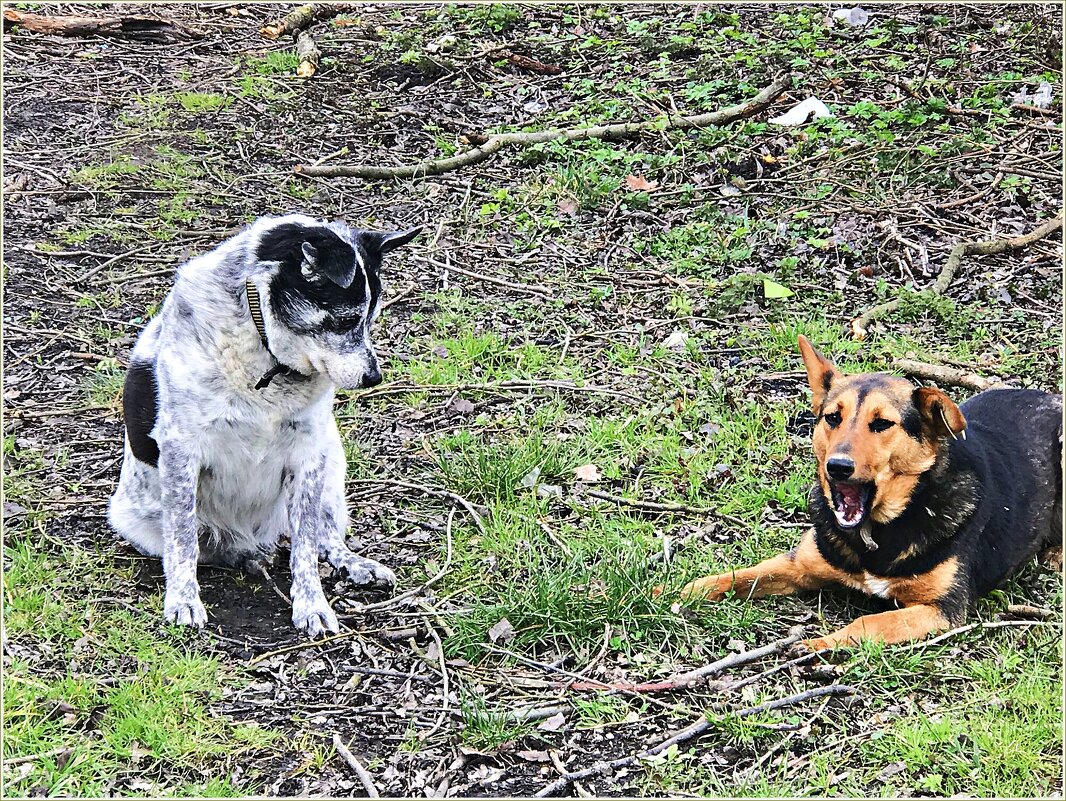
(140, 404)
(911, 422)
(290, 292)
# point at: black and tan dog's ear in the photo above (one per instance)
(940, 416)
(821, 373)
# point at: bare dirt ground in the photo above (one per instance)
(595, 303)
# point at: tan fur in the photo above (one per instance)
(802, 568)
(898, 625)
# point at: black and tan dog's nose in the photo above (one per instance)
(839, 468)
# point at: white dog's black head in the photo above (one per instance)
(323, 295)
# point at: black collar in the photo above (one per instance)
(255, 308)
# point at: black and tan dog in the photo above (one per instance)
(918, 501)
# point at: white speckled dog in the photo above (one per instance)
(230, 436)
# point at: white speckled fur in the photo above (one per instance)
(239, 467)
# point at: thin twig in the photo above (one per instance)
(701, 674)
(445, 689)
(497, 142)
(652, 506)
(689, 733)
(459, 499)
(364, 775)
(995, 624)
(540, 291)
(984, 248)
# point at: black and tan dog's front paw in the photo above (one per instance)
(708, 588)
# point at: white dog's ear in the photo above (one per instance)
(382, 242)
(317, 252)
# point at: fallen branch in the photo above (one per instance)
(684, 681)
(689, 733)
(532, 65)
(308, 53)
(303, 17)
(498, 141)
(986, 248)
(364, 775)
(947, 376)
(1044, 112)
(135, 28)
(1024, 610)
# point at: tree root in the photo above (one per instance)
(986, 248)
(496, 142)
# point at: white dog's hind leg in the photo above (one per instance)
(135, 511)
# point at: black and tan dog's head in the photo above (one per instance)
(875, 434)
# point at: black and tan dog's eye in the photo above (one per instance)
(880, 424)
(833, 418)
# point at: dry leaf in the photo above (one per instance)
(460, 406)
(588, 473)
(554, 723)
(640, 184)
(502, 632)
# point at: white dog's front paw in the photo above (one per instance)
(184, 608)
(365, 572)
(314, 616)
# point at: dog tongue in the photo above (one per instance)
(850, 500)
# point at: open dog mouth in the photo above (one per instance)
(851, 502)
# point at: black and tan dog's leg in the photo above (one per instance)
(802, 568)
(899, 625)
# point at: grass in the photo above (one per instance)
(114, 703)
(153, 714)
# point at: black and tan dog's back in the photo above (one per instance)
(918, 501)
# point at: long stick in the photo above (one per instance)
(684, 735)
(364, 775)
(498, 141)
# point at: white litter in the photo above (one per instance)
(853, 17)
(1042, 98)
(810, 109)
